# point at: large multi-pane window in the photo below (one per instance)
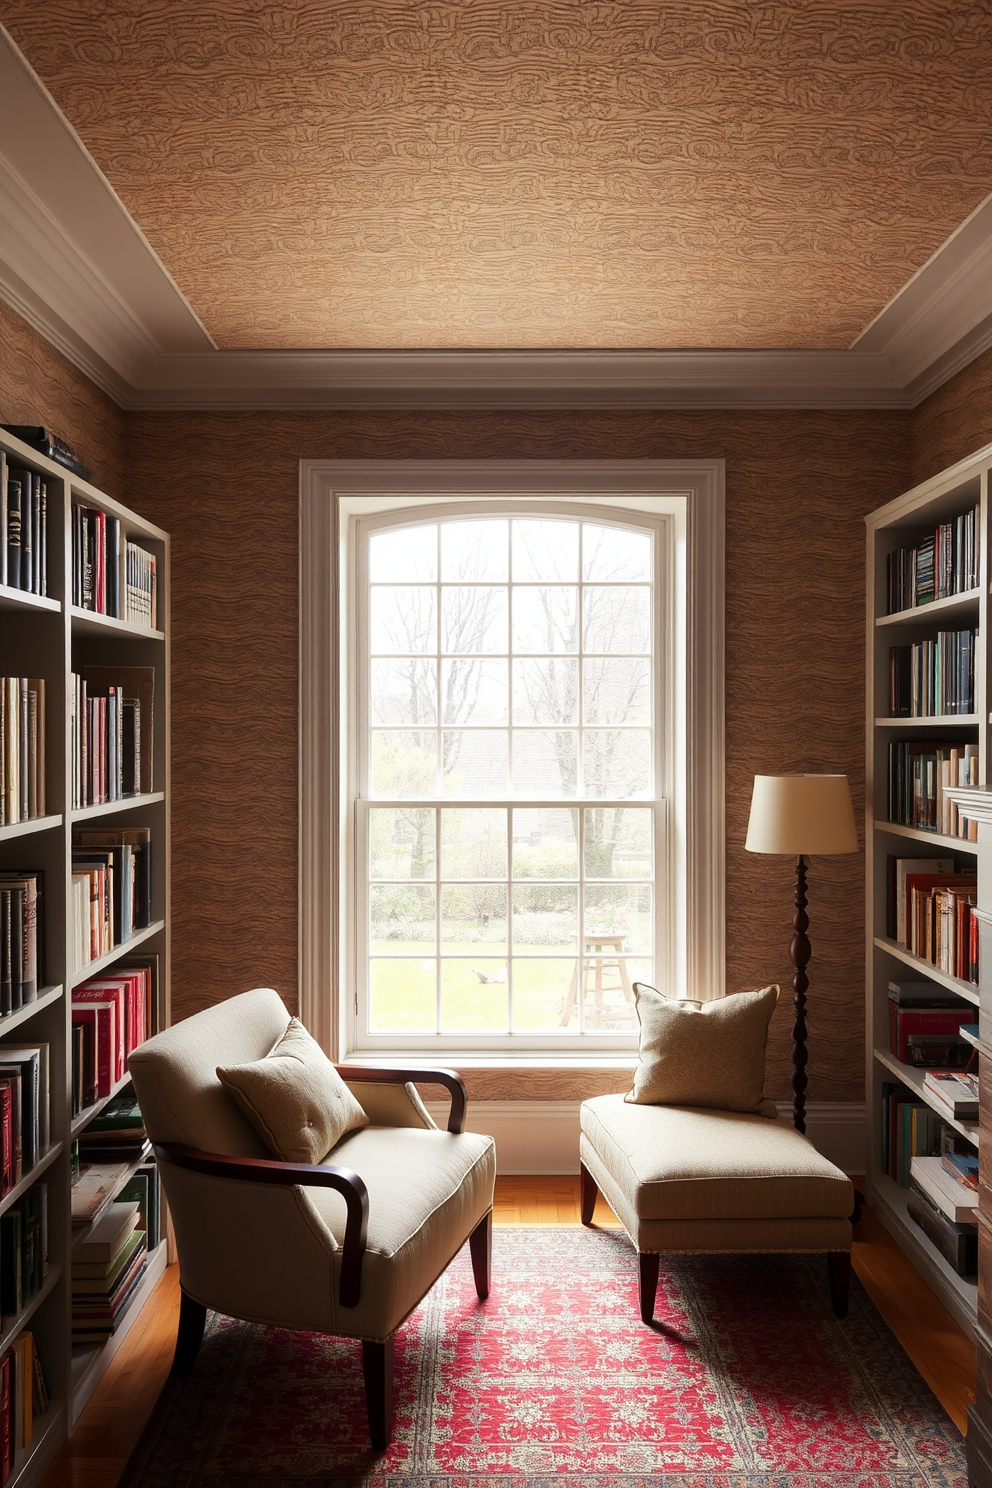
(511, 774)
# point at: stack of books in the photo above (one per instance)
(944, 563)
(932, 678)
(23, 1251)
(110, 574)
(955, 1093)
(20, 909)
(112, 715)
(22, 749)
(23, 1397)
(925, 1026)
(918, 774)
(25, 1129)
(107, 1267)
(116, 1135)
(111, 888)
(943, 1201)
(23, 528)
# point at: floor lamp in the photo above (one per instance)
(801, 814)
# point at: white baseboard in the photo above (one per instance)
(543, 1136)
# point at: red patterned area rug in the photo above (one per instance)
(747, 1380)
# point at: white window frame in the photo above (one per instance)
(334, 496)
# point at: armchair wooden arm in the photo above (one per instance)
(287, 1174)
(449, 1079)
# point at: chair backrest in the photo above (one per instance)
(175, 1073)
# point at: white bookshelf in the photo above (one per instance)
(49, 637)
(899, 524)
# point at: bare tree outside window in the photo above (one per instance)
(511, 743)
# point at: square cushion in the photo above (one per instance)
(703, 1053)
(294, 1098)
(676, 1163)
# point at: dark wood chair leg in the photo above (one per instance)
(481, 1245)
(647, 1284)
(839, 1272)
(589, 1194)
(377, 1367)
(192, 1320)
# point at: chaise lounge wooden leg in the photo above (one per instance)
(192, 1320)
(481, 1245)
(839, 1272)
(647, 1284)
(377, 1367)
(589, 1194)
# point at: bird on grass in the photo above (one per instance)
(489, 980)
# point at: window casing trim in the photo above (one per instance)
(332, 495)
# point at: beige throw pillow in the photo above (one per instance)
(703, 1053)
(295, 1098)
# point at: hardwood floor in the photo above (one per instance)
(97, 1451)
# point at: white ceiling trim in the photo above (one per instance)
(74, 263)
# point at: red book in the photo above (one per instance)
(7, 1179)
(938, 1021)
(100, 993)
(102, 1016)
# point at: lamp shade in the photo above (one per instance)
(801, 814)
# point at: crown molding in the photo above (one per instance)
(78, 268)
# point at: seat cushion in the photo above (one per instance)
(680, 1162)
(427, 1192)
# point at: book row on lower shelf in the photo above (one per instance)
(918, 773)
(112, 721)
(111, 1016)
(20, 907)
(23, 1398)
(929, 910)
(924, 1154)
(935, 678)
(22, 749)
(109, 1262)
(23, 527)
(25, 1122)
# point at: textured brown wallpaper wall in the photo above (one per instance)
(955, 421)
(38, 386)
(798, 486)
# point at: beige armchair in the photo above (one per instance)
(348, 1246)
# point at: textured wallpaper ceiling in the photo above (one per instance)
(475, 174)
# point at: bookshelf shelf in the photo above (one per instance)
(11, 1326)
(111, 808)
(929, 538)
(83, 973)
(926, 972)
(29, 1179)
(100, 624)
(914, 1077)
(29, 827)
(45, 999)
(935, 721)
(955, 606)
(50, 637)
(929, 839)
(90, 1361)
(18, 599)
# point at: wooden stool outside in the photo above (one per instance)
(595, 946)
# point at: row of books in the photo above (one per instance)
(107, 1266)
(25, 1111)
(927, 1033)
(22, 749)
(929, 679)
(110, 574)
(111, 1016)
(116, 1135)
(112, 724)
(929, 910)
(945, 562)
(23, 1397)
(918, 775)
(20, 942)
(23, 1251)
(23, 528)
(111, 889)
